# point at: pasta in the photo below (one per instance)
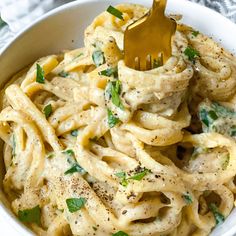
(92, 147)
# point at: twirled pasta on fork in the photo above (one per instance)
(93, 147)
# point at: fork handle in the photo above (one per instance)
(159, 6)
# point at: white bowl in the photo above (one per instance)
(63, 28)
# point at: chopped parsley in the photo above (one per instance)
(40, 74)
(115, 12)
(191, 53)
(187, 198)
(30, 215)
(113, 71)
(122, 176)
(139, 176)
(94, 228)
(120, 233)
(75, 204)
(75, 168)
(195, 33)
(69, 152)
(219, 218)
(98, 58)
(47, 110)
(113, 92)
(63, 74)
(207, 117)
(74, 133)
(112, 120)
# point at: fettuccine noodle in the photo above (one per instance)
(93, 147)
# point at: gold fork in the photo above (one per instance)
(147, 42)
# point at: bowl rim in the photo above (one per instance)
(7, 214)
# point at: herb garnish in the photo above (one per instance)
(187, 198)
(63, 74)
(207, 116)
(112, 120)
(115, 94)
(75, 204)
(47, 110)
(122, 176)
(113, 71)
(30, 215)
(75, 168)
(115, 12)
(219, 218)
(40, 74)
(120, 233)
(137, 176)
(69, 152)
(74, 133)
(195, 33)
(191, 53)
(98, 58)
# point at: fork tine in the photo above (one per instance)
(137, 63)
(149, 62)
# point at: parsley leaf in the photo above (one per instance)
(207, 116)
(109, 72)
(47, 110)
(75, 204)
(120, 233)
(69, 152)
(191, 53)
(98, 58)
(122, 176)
(75, 168)
(187, 198)
(63, 74)
(40, 74)
(219, 218)
(115, 12)
(139, 176)
(30, 215)
(112, 120)
(74, 133)
(115, 92)
(195, 33)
